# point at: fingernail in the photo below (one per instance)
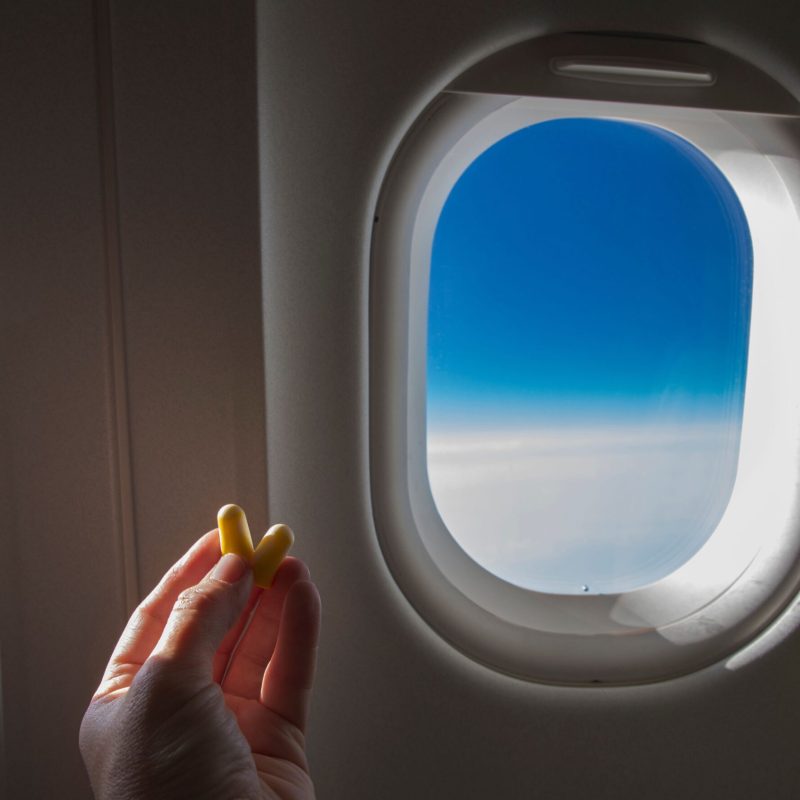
(230, 568)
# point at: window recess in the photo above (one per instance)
(723, 594)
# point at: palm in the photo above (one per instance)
(261, 673)
(274, 746)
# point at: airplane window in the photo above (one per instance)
(583, 360)
(589, 306)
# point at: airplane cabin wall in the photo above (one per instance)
(132, 391)
(185, 323)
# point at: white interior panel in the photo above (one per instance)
(399, 713)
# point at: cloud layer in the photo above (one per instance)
(608, 507)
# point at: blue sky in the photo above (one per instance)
(587, 339)
(588, 267)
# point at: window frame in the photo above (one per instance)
(737, 582)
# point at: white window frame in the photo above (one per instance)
(748, 568)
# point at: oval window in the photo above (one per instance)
(588, 318)
(583, 371)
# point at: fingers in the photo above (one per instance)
(147, 622)
(223, 654)
(201, 618)
(246, 670)
(286, 688)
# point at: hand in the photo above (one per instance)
(183, 712)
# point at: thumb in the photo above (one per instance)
(202, 615)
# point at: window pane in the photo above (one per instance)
(588, 321)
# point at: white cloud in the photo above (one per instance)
(613, 507)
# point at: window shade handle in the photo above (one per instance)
(635, 71)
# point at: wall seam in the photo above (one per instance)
(120, 447)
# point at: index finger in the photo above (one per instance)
(147, 622)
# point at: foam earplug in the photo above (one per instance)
(234, 532)
(234, 537)
(271, 550)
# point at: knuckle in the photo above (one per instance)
(195, 599)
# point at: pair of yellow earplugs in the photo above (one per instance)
(234, 537)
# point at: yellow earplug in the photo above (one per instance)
(234, 537)
(234, 532)
(271, 550)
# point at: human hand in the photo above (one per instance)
(180, 714)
